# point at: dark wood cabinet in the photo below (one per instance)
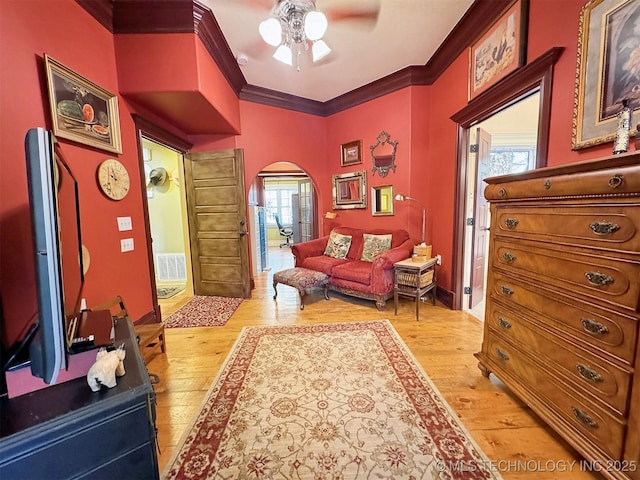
(68, 431)
(563, 301)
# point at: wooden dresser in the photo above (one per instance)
(563, 303)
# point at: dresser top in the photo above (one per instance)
(613, 161)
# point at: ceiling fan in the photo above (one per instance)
(295, 25)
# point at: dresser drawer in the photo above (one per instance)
(594, 327)
(606, 382)
(600, 278)
(612, 227)
(580, 415)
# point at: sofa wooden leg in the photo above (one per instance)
(381, 303)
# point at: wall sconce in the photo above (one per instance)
(401, 198)
(328, 216)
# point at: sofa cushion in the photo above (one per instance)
(322, 263)
(398, 237)
(338, 245)
(374, 245)
(354, 270)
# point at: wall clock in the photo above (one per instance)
(113, 179)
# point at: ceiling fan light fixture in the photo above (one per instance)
(315, 25)
(271, 31)
(284, 55)
(320, 50)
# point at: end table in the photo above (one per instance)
(415, 280)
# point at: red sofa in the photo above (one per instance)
(352, 276)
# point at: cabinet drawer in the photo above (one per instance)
(592, 326)
(606, 382)
(613, 227)
(600, 278)
(604, 429)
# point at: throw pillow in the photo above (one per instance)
(374, 245)
(338, 245)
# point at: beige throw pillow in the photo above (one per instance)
(338, 245)
(374, 245)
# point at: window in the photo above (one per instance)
(277, 200)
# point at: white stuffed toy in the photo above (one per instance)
(108, 365)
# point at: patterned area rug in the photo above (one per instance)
(168, 292)
(328, 401)
(203, 311)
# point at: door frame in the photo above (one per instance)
(147, 129)
(538, 74)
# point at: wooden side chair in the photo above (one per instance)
(150, 335)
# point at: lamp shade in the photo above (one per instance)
(400, 197)
(271, 31)
(283, 54)
(320, 50)
(315, 25)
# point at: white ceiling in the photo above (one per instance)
(406, 33)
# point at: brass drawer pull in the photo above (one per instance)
(511, 222)
(616, 181)
(585, 419)
(588, 373)
(508, 257)
(504, 323)
(604, 228)
(598, 279)
(593, 327)
(506, 290)
(501, 354)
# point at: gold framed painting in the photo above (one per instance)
(500, 50)
(351, 153)
(350, 190)
(607, 71)
(81, 110)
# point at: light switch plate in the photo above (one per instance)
(124, 223)
(126, 244)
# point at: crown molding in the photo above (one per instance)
(184, 16)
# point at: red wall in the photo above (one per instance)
(418, 117)
(30, 29)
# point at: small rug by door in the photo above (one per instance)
(327, 401)
(168, 292)
(204, 311)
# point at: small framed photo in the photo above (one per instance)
(500, 50)
(81, 110)
(351, 153)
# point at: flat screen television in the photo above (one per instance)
(53, 202)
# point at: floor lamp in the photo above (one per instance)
(401, 198)
(328, 216)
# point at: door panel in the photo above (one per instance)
(481, 218)
(218, 223)
(305, 208)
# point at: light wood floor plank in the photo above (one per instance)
(443, 342)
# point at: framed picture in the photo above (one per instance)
(350, 190)
(351, 153)
(607, 69)
(500, 50)
(81, 110)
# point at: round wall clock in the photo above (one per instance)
(113, 179)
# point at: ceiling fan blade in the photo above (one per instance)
(362, 11)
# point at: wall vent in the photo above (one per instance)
(171, 266)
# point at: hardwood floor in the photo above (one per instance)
(443, 341)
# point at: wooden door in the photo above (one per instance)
(305, 198)
(218, 223)
(295, 218)
(481, 218)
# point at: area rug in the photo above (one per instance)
(204, 311)
(328, 401)
(168, 292)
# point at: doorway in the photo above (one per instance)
(285, 190)
(168, 221)
(504, 143)
(536, 76)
